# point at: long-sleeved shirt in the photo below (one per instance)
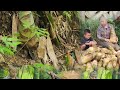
(85, 40)
(105, 32)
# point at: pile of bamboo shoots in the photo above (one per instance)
(99, 57)
(96, 59)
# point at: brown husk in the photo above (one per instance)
(106, 61)
(117, 66)
(94, 63)
(98, 56)
(114, 63)
(90, 50)
(89, 67)
(106, 51)
(113, 57)
(109, 66)
(100, 63)
(113, 39)
(103, 55)
(87, 58)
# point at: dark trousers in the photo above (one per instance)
(108, 44)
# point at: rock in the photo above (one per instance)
(82, 15)
(117, 14)
(98, 15)
(112, 15)
(106, 15)
(90, 14)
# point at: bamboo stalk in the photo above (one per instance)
(14, 27)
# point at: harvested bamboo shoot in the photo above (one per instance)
(51, 53)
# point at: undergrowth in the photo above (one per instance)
(35, 71)
(7, 45)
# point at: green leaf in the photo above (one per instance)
(6, 51)
(68, 14)
(4, 38)
(15, 43)
(103, 74)
(115, 75)
(86, 75)
(8, 44)
(36, 73)
(107, 74)
(43, 70)
(3, 72)
(26, 72)
(12, 39)
(99, 72)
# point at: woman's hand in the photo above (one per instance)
(107, 40)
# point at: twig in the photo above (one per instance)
(53, 75)
(23, 46)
